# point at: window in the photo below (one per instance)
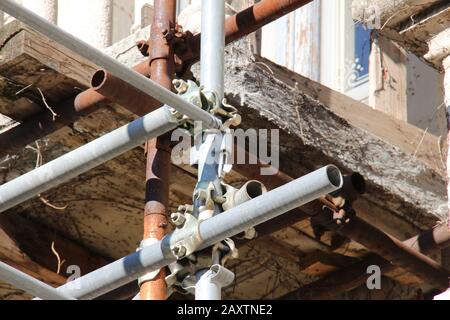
(345, 50)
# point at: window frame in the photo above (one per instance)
(338, 36)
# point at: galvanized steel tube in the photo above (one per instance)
(86, 157)
(119, 272)
(213, 46)
(29, 284)
(271, 204)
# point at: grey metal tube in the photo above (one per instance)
(119, 272)
(29, 284)
(212, 58)
(213, 46)
(115, 68)
(269, 205)
(86, 157)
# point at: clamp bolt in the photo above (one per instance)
(178, 219)
(180, 86)
(179, 251)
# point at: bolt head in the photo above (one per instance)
(180, 86)
(178, 219)
(179, 251)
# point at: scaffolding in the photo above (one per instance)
(218, 212)
(195, 235)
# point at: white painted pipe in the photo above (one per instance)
(211, 281)
(213, 46)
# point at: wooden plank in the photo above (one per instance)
(387, 76)
(408, 138)
(36, 240)
(59, 73)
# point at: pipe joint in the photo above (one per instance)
(151, 275)
(235, 197)
(211, 282)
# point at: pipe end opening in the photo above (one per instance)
(254, 189)
(358, 182)
(98, 79)
(334, 176)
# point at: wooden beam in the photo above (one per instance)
(58, 76)
(390, 130)
(11, 253)
(36, 241)
(30, 247)
(390, 13)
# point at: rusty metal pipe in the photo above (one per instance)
(119, 91)
(257, 16)
(355, 274)
(396, 252)
(162, 68)
(251, 19)
(436, 238)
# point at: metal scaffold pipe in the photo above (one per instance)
(212, 78)
(213, 46)
(232, 222)
(29, 284)
(114, 67)
(86, 157)
(158, 168)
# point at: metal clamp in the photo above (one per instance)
(186, 240)
(208, 101)
(151, 275)
(206, 210)
(220, 275)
